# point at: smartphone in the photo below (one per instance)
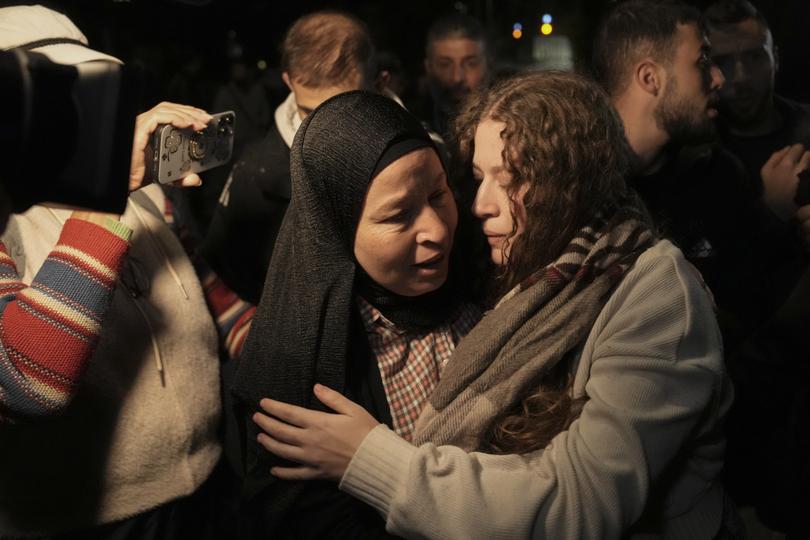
(176, 152)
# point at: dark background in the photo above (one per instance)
(164, 36)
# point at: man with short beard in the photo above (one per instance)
(654, 60)
(754, 121)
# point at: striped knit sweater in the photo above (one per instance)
(232, 315)
(48, 330)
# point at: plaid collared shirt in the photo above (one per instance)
(410, 361)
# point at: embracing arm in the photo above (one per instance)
(655, 384)
(655, 369)
(339, 516)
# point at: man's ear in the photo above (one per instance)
(649, 76)
(775, 59)
(286, 78)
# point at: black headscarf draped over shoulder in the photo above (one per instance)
(301, 328)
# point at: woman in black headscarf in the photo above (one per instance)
(356, 298)
(598, 376)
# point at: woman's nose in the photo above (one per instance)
(484, 204)
(432, 227)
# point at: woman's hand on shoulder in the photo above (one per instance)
(323, 443)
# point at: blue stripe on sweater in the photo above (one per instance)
(19, 397)
(73, 284)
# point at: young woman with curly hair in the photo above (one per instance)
(588, 402)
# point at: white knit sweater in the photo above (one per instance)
(646, 451)
(133, 438)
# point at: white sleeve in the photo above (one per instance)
(655, 367)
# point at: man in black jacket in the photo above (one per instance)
(654, 60)
(323, 54)
(769, 369)
(754, 122)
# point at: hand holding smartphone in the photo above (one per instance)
(174, 153)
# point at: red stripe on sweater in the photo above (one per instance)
(246, 319)
(45, 344)
(40, 373)
(11, 288)
(220, 297)
(94, 240)
(23, 307)
(56, 317)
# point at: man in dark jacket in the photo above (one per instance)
(769, 368)
(754, 121)
(654, 60)
(323, 54)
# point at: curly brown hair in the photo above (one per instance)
(564, 139)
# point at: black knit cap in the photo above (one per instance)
(301, 329)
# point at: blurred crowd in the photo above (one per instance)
(625, 248)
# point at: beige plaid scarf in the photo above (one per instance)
(532, 328)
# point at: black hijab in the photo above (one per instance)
(300, 331)
(304, 327)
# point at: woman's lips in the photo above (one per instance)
(432, 262)
(495, 239)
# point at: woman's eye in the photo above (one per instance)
(438, 197)
(399, 217)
